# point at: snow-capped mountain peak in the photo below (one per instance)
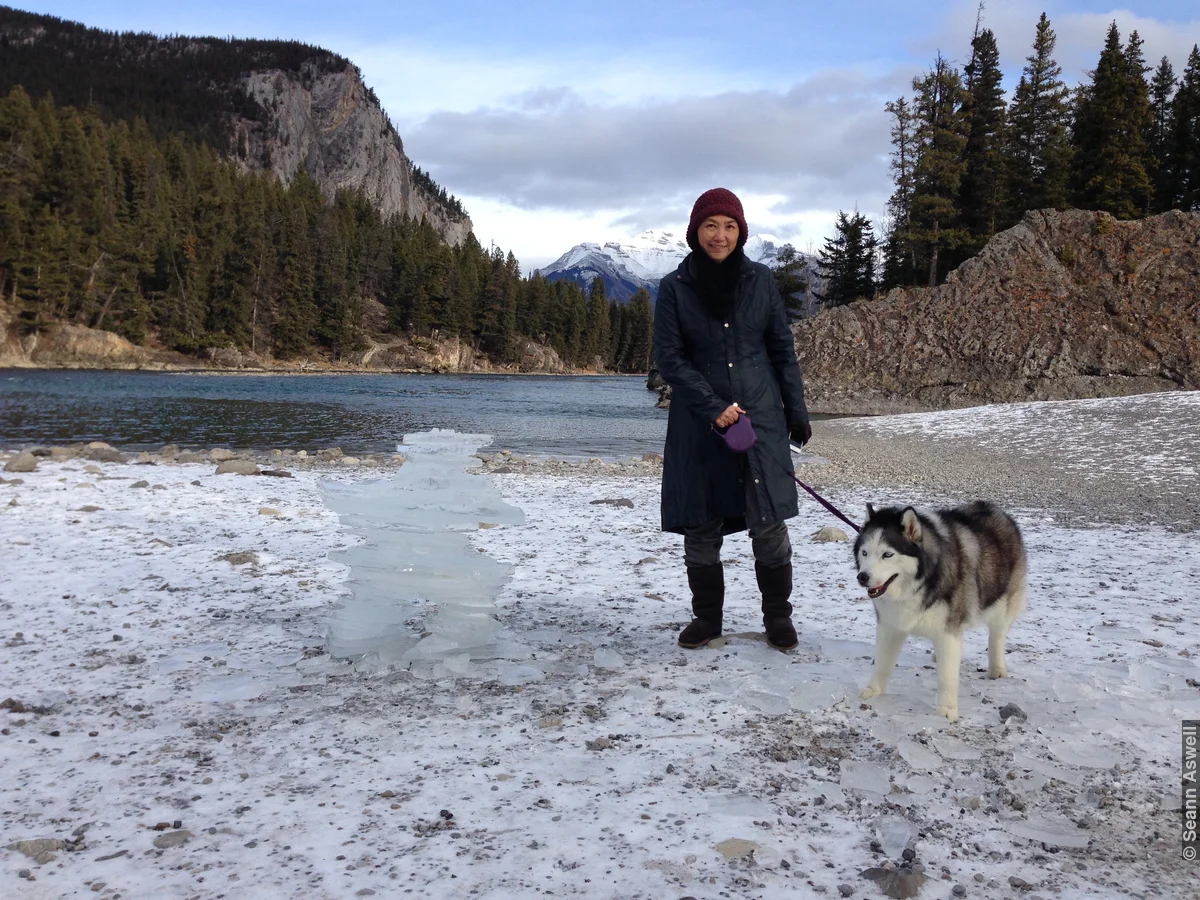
(628, 265)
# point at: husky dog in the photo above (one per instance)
(935, 574)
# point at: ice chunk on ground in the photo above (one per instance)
(1085, 755)
(894, 834)
(416, 553)
(1048, 769)
(918, 784)
(521, 674)
(604, 658)
(230, 688)
(918, 756)
(865, 777)
(1057, 834)
(813, 696)
(764, 700)
(953, 748)
(740, 805)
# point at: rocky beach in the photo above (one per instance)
(173, 724)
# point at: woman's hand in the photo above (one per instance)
(731, 415)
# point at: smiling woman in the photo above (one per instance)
(722, 342)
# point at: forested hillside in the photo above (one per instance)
(126, 206)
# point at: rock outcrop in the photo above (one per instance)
(65, 346)
(330, 124)
(1065, 305)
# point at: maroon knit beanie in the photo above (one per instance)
(717, 202)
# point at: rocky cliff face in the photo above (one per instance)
(1065, 305)
(330, 124)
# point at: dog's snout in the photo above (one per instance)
(863, 578)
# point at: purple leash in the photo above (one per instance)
(740, 437)
(825, 503)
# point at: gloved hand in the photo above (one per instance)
(801, 434)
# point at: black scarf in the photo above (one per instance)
(717, 281)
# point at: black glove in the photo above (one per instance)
(801, 434)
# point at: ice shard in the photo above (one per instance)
(416, 556)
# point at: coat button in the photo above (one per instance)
(731, 365)
(756, 481)
(726, 324)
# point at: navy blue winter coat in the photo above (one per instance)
(746, 356)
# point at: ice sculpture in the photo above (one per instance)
(417, 553)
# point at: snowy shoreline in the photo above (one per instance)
(164, 651)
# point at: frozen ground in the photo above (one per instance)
(164, 647)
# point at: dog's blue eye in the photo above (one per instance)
(888, 555)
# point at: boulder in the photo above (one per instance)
(24, 461)
(237, 467)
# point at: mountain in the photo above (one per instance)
(628, 266)
(1063, 306)
(275, 106)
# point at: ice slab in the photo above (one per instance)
(865, 777)
(894, 834)
(919, 756)
(741, 805)
(605, 658)
(952, 748)
(416, 561)
(1058, 834)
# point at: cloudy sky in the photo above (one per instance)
(558, 122)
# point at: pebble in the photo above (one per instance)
(979, 877)
(845, 890)
(24, 873)
(1008, 710)
(1018, 883)
(959, 890)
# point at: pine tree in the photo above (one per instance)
(981, 193)
(848, 261)
(936, 221)
(1112, 119)
(1184, 152)
(640, 346)
(1162, 88)
(1038, 147)
(900, 262)
(596, 343)
(791, 277)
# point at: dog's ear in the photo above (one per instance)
(912, 525)
(870, 512)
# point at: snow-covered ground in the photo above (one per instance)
(164, 650)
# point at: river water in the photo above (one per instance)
(561, 415)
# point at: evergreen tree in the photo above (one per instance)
(1112, 119)
(791, 277)
(596, 344)
(641, 333)
(1183, 157)
(848, 261)
(900, 262)
(935, 218)
(981, 197)
(1038, 147)
(1162, 88)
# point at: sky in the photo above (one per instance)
(558, 122)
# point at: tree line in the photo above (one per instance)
(967, 163)
(160, 239)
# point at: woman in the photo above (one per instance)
(721, 340)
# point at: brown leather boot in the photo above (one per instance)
(776, 587)
(708, 601)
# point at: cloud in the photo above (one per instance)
(821, 144)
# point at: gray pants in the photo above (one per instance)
(771, 544)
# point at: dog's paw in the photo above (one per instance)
(870, 691)
(999, 671)
(950, 712)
